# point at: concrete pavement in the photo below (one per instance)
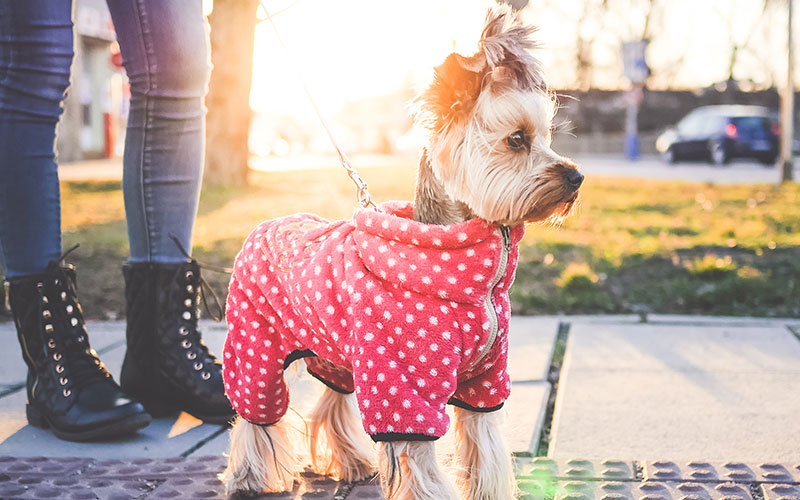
(676, 407)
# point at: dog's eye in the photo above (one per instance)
(518, 140)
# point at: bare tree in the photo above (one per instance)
(233, 25)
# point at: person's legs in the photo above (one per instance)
(35, 58)
(68, 388)
(165, 50)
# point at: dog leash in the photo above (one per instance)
(364, 198)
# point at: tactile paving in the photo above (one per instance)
(547, 468)
(540, 479)
(71, 487)
(780, 491)
(649, 490)
(41, 466)
(665, 470)
(157, 468)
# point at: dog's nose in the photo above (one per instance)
(573, 178)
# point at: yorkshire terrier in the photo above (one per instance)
(406, 306)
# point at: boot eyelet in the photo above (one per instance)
(46, 314)
(48, 328)
(51, 344)
(183, 330)
(63, 295)
(59, 369)
(69, 308)
(186, 344)
(187, 315)
(206, 375)
(198, 366)
(191, 355)
(189, 275)
(74, 321)
(187, 302)
(44, 300)
(57, 357)
(88, 351)
(66, 393)
(63, 380)
(190, 288)
(56, 281)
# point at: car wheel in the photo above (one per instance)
(718, 153)
(669, 156)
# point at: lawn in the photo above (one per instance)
(662, 246)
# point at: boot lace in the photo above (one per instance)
(71, 345)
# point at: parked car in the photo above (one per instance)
(721, 133)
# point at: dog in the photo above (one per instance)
(406, 306)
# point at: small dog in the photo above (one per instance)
(406, 306)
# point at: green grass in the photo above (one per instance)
(665, 246)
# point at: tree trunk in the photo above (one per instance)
(233, 25)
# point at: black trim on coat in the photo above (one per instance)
(295, 355)
(327, 383)
(461, 404)
(400, 436)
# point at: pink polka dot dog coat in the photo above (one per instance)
(410, 316)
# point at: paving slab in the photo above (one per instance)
(780, 491)
(525, 410)
(544, 468)
(164, 437)
(645, 392)
(531, 342)
(702, 471)
(193, 477)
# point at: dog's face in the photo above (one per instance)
(489, 119)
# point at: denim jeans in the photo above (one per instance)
(165, 51)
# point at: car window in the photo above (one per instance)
(715, 124)
(750, 123)
(691, 124)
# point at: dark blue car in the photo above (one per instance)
(721, 133)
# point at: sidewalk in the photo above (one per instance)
(697, 406)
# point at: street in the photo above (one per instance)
(649, 167)
(653, 167)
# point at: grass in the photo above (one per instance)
(662, 246)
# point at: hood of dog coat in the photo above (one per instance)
(456, 262)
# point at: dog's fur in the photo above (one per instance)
(488, 118)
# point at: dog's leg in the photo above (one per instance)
(409, 471)
(262, 459)
(485, 469)
(348, 456)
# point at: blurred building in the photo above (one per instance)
(95, 107)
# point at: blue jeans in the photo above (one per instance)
(165, 51)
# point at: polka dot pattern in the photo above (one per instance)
(393, 309)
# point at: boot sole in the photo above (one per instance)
(159, 409)
(115, 429)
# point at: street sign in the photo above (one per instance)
(634, 62)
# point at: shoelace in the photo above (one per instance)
(84, 365)
(204, 286)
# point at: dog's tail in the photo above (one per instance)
(262, 459)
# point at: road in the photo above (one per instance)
(738, 172)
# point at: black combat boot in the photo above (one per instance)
(167, 366)
(69, 389)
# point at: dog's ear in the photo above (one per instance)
(455, 88)
(506, 44)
